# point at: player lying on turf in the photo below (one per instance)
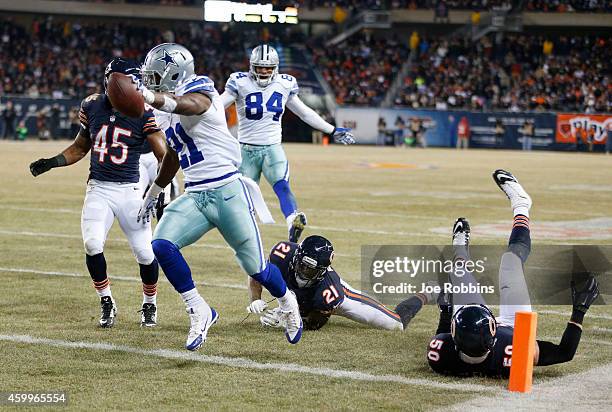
(216, 194)
(306, 268)
(472, 341)
(261, 96)
(115, 142)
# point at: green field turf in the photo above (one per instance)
(354, 196)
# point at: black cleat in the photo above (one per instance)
(148, 315)
(461, 232)
(297, 227)
(108, 311)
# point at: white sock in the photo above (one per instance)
(193, 299)
(521, 210)
(149, 299)
(287, 301)
(104, 292)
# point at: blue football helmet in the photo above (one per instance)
(473, 329)
(121, 65)
(312, 259)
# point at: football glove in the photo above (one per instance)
(343, 135)
(257, 306)
(272, 319)
(147, 95)
(147, 209)
(40, 166)
(582, 299)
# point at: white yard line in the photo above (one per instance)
(112, 277)
(246, 363)
(586, 391)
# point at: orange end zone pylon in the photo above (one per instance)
(523, 349)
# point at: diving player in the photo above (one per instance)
(216, 194)
(261, 96)
(115, 142)
(321, 292)
(472, 341)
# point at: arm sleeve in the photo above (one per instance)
(150, 124)
(551, 354)
(227, 98)
(308, 115)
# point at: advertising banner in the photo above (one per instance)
(576, 129)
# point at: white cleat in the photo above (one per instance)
(202, 318)
(461, 232)
(292, 321)
(513, 189)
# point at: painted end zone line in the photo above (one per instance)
(250, 364)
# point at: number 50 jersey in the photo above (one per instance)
(260, 109)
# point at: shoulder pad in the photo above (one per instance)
(196, 84)
(89, 99)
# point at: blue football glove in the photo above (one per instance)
(343, 135)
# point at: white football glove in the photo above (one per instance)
(272, 319)
(147, 209)
(147, 95)
(343, 135)
(257, 306)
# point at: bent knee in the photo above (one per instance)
(93, 246)
(144, 255)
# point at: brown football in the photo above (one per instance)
(124, 96)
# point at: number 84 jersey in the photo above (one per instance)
(260, 109)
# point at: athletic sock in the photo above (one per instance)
(193, 299)
(286, 199)
(520, 237)
(149, 275)
(96, 265)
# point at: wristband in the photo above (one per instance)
(148, 95)
(57, 161)
(169, 104)
(154, 190)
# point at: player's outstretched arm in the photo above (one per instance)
(310, 117)
(190, 104)
(72, 154)
(551, 354)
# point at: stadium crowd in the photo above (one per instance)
(64, 59)
(520, 73)
(360, 71)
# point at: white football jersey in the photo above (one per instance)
(260, 109)
(208, 153)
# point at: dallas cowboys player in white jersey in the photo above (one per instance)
(261, 96)
(216, 194)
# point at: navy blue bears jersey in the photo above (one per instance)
(116, 140)
(323, 296)
(444, 358)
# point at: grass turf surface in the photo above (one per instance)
(354, 196)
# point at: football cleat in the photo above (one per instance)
(461, 232)
(294, 325)
(583, 298)
(297, 227)
(201, 318)
(148, 315)
(108, 311)
(512, 188)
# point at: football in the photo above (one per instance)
(124, 96)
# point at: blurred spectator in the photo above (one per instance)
(382, 131)
(400, 127)
(414, 40)
(22, 130)
(500, 133)
(441, 12)
(528, 132)
(8, 119)
(463, 133)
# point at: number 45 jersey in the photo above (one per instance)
(116, 139)
(208, 154)
(260, 109)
